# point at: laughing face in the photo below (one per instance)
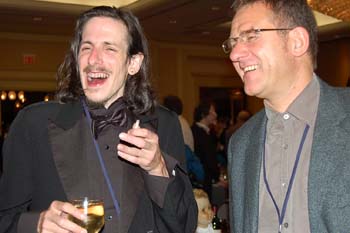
(264, 64)
(103, 61)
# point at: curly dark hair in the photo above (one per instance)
(290, 13)
(138, 93)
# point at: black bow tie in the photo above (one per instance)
(114, 115)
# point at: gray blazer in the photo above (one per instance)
(329, 172)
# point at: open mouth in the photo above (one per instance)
(95, 78)
(92, 76)
(250, 68)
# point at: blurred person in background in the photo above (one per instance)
(174, 103)
(194, 165)
(205, 143)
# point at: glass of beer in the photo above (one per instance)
(94, 211)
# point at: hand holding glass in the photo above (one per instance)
(94, 211)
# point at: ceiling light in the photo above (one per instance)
(118, 3)
(37, 18)
(323, 19)
(338, 9)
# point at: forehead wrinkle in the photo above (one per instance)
(243, 19)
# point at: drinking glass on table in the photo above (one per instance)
(94, 211)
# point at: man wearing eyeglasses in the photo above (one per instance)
(290, 163)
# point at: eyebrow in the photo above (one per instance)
(110, 43)
(104, 43)
(247, 30)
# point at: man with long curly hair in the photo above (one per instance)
(104, 138)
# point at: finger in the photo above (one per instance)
(142, 138)
(60, 226)
(70, 209)
(140, 147)
(55, 219)
(142, 132)
(132, 154)
(139, 142)
(141, 161)
(51, 222)
(131, 158)
(136, 152)
(65, 208)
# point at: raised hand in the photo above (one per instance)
(146, 152)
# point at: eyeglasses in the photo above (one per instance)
(247, 37)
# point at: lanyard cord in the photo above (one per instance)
(291, 180)
(104, 170)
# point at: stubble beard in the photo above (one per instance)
(101, 103)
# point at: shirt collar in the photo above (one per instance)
(203, 126)
(304, 107)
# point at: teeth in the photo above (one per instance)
(97, 75)
(250, 68)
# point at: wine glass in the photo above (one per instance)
(94, 211)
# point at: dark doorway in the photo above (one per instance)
(228, 101)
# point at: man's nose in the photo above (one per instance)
(95, 57)
(238, 52)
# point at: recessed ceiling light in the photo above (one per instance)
(118, 3)
(37, 19)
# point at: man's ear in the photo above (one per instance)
(298, 41)
(135, 63)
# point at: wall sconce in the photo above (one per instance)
(20, 95)
(236, 94)
(3, 95)
(46, 98)
(17, 104)
(12, 95)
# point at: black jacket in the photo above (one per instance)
(45, 137)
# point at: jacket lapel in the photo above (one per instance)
(253, 161)
(68, 136)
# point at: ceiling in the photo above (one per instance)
(180, 21)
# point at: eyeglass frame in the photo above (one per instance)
(243, 37)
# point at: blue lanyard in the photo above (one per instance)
(104, 170)
(291, 180)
